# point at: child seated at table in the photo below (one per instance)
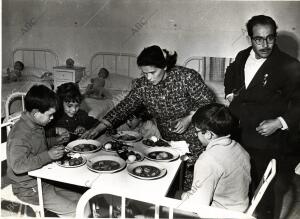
(96, 88)
(27, 150)
(69, 116)
(142, 122)
(222, 171)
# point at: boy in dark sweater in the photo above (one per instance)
(27, 150)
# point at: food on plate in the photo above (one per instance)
(131, 158)
(84, 147)
(146, 171)
(115, 145)
(108, 146)
(106, 165)
(125, 154)
(68, 160)
(150, 142)
(161, 143)
(126, 137)
(160, 155)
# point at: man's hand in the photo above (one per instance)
(268, 127)
(230, 97)
(56, 152)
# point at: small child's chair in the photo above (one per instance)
(263, 185)
(6, 192)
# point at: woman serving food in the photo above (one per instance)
(170, 93)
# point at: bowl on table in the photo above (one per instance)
(71, 160)
(127, 136)
(83, 146)
(161, 154)
(146, 170)
(106, 164)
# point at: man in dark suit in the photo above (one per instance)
(262, 86)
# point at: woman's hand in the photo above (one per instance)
(182, 124)
(92, 133)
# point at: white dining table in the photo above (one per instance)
(82, 176)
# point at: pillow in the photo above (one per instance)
(38, 72)
(118, 82)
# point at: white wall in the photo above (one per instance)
(79, 28)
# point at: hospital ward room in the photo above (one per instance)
(150, 109)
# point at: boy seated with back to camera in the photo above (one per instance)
(27, 150)
(222, 172)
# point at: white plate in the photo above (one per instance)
(93, 160)
(72, 144)
(171, 151)
(66, 164)
(131, 167)
(120, 134)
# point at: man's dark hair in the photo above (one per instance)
(41, 98)
(263, 20)
(214, 117)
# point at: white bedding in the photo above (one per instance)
(116, 88)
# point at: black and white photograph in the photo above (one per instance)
(150, 109)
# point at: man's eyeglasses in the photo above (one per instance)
(260, 40)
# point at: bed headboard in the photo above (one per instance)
(35, 57)
(115, 63)
(210, 68)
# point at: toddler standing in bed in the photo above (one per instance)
(70, 117)
(96, 88)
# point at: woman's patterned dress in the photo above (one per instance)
(181, 92)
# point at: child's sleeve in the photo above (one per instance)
(87, 121)
(22, 160)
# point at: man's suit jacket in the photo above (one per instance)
(274, 91)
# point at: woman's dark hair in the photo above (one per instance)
(263, 20)
(69, 92)
(214, 117)
(41, 98)
(154, 56)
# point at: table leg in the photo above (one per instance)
(41, 202)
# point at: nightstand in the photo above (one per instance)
(62, 74)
